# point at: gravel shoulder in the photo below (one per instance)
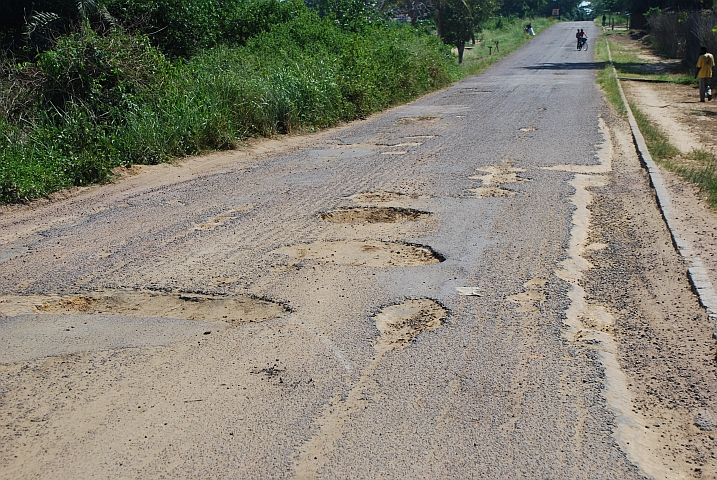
(689, 124)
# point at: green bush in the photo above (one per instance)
(101, 101)
(179, 27)
(102, 73)
(183, 28)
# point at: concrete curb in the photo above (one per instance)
(701, 284)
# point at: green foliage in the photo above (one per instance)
(178, 27)
(101, 73)
(458, 20)
(248, 19)
(353, 15)
(95, 102)
(525, 9)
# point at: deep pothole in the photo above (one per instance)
(186, 306)
(373, 215)
(400, 324)
(365, 253)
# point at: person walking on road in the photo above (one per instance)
(704, 72)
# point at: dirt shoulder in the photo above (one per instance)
(689, 124)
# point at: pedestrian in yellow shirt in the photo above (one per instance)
(704, 72)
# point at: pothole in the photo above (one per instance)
(471, 91)
(400, 324)
(186, 306)
(406, 120)
(402, 144)
(365, 253)
(373, 215)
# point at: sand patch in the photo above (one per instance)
(407, 120)
(530, 300)
(222, 218)
(493, 178)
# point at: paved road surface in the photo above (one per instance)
(475, 285)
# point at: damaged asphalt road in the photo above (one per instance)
(475, 285)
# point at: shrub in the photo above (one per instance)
(94, 102)
(101, 73)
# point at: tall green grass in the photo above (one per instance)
(105, 101)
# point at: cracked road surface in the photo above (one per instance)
(474, 285)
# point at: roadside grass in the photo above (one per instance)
(657, 141)
(697, 166)
(629, 64)
(510, 36)
(700, 168)
(606, 77)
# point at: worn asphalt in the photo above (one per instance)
(472, 320)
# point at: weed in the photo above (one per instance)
(606, 77)
(657, 141)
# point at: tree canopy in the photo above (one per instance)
(642, 6)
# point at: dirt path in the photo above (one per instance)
(689, 125)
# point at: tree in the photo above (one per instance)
(414, 9)
(525, 9)
(457, 20)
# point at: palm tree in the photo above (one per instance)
(43, 27)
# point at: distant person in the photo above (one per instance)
(604, 20)
(705, 64)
